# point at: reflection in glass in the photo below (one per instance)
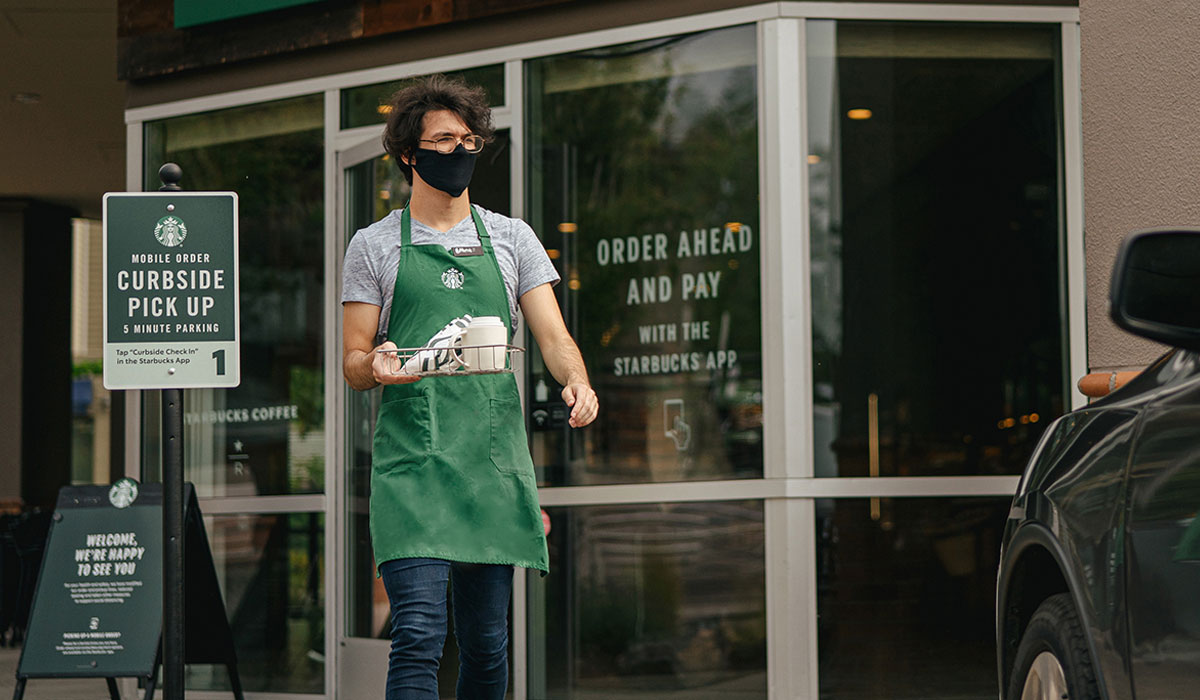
(272, 574)
(266, 436)
(934, 177)
(92, 406)
(362, 106)
(661, 601)
(644, 188)
(905, 597)
(91, 417)
(371, 189)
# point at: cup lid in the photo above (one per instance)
(486, 321)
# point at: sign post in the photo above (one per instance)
(171, 322)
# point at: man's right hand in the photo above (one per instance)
(362, 365)
(382, 365)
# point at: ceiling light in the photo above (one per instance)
(859, 114)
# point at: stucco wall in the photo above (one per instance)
(1141, 143)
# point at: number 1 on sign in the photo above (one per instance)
(219, 356)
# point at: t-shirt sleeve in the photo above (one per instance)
(359, 279)
(533, 265)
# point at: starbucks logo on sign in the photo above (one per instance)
(123, 493)
(170, 231)
(452, 278)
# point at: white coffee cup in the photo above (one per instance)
(485, 330)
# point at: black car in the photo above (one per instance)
(1098, 594)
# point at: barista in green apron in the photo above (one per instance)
(451, 474)
(453, 493)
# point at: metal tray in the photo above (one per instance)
(443, 357)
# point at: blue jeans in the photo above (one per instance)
(416, 590)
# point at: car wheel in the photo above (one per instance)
(1052, 661)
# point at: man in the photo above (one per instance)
(453, 494)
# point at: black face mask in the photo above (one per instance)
(450, 172)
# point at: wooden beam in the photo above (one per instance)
(158, 50)
(150, 46)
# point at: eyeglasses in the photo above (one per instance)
(447, 144)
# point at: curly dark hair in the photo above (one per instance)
(408, 105)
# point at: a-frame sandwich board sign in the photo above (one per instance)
(98, 605)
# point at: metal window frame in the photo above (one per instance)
(619, 35)
(335, 397)
(792, 652)
(788, 487)
(1076, 276)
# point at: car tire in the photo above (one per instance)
(1052, 660)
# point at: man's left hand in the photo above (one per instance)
(583, 402)
(560, 353)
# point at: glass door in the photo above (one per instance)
(370, 186)
(256, 453)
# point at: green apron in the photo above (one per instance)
(451, 474)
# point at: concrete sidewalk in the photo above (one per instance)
(47, 688)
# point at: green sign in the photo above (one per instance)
(189, 13)
(98, 606)
(171, 290)
(99, 598)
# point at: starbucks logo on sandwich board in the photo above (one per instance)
(123, 493)
(452, 278)
(170, 231)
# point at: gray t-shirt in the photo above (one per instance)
(369, 271)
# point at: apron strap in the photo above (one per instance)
(485, 240)
(405, 229)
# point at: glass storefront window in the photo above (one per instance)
(366, 105)
(662, 601)
(936, 244)
(643, 184)
(92, 406)
(939, 349)
(272, 574)
(267, 436)
(906, 592)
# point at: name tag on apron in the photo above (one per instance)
(465, 251)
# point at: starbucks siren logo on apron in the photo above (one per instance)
(170, 231)
(452, 278)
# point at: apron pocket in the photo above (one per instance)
(509, 446)
(403, 435)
